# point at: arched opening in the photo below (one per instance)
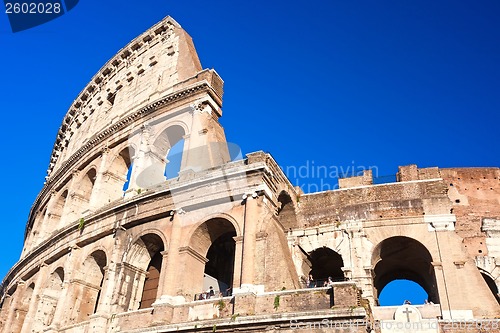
(325, 263)
(38, 231)
(404, 258)
(174, 160)
(214, 240)
(286, 211)
(220, 266)
(22, 310)
(53, 291)
(148, 256)
(391, 294)
(87, 183)
(116, 179)
(92, 273)
(56, 213)
(170, 143)
(81, 201)
(48, 302)
(492, 285)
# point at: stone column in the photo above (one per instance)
(206, 145)
(13, 323)
(66, 299)
(148, 167)
(171, 271)
(48, 224)
(35, 316)
(237, 261)
(249, 239)
(100, 196)
(163, 273)
(73, 202)
(4, 312)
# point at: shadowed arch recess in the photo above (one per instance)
(404, 258)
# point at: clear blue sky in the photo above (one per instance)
(337, 83)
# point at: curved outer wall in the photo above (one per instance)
(112, 245)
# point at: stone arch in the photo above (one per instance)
(115, 179)
(401, 257)
(87, 182)
(38, 231)
(170, 137)
(492, 285)
(210, 255)
(325, 263)
(286, 211)
(49, 300)
(6, 303)
(22, 309)
(145, 257)
(83, 190)
(56, 217)
(89, 280)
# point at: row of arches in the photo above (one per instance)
(142, 274)
(90, 285)
(394, 260)
(107, 178)
(33, 309)
(402, 270)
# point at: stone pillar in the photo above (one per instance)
(163, 273)
(66, 299)
(251, 221)
(60, 308)
(100, 195)
(14, 322)
(106, 290)
(206, 146)
(125, 293)
(193, 267)
(40, 308)
(237, 261)
(148, 167)
(171, 271)
(35, 316)
(73, 202)
(48, 223)
(4, 311)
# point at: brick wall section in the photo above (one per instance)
(277, 268)
(474, 194)
(345, 296)
(371, 203)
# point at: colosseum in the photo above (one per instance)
(117, 242)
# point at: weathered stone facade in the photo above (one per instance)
(113, 245)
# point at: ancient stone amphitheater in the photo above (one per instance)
(114, 243)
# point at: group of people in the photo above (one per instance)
(311, 283)
(211, 293)
(207, 295)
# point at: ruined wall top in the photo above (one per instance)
(148, 68)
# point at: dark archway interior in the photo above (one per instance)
(492, 285)
(151, 282)
(286, 211)
(403, 258)
(154, 246)
(326, 263)
(100, 259)
(220, 257)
